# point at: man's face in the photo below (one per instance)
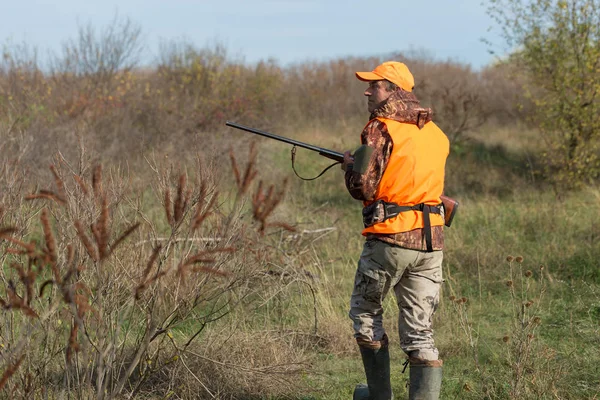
(377, 93)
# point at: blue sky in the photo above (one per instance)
(288, 31)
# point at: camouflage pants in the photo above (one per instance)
(415, 277)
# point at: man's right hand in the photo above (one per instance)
(348, 161)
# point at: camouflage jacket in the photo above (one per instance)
(404, 107)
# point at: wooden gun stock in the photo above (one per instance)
(450, 207)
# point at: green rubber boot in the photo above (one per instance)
(377, 369)
(361, 392)
(425, 379)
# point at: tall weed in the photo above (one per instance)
(103, 300)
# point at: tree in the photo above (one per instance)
(100, 56)
(556, 45)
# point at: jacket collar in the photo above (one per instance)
(403, 106)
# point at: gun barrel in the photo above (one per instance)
(334, 155)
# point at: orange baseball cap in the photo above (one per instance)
(394, 71)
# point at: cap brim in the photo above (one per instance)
(368, 76)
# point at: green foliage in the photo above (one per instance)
(556, 45)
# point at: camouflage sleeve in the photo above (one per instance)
(364, 186)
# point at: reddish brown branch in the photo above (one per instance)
(10, 371)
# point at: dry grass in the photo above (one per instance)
(105, 298)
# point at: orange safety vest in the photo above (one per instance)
(414, 175)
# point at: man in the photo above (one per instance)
(398, 173)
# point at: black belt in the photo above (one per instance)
(380, 210)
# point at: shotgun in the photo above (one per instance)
(334, 155)
(450, 205)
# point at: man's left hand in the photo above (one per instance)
(348, 161)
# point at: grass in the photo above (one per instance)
(523, 221)
(300, 316)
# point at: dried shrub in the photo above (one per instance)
(104, 306)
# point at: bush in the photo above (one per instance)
(106, 297)
(555, 45)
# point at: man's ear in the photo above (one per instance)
(396, 89)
